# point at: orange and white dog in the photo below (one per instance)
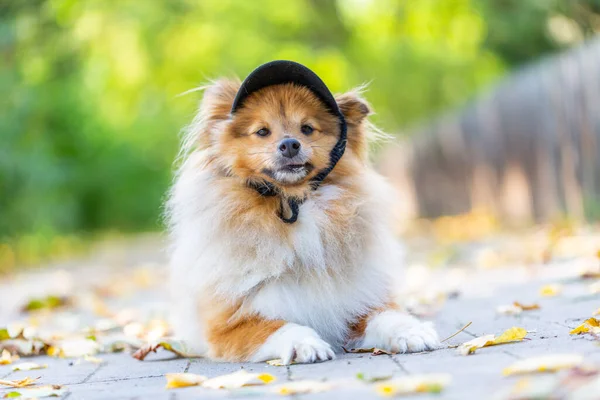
(281, 235)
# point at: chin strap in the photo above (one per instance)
(268, 189)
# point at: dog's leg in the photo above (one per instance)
(253, 338)
(395, 331)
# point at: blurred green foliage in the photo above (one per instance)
(89, 105)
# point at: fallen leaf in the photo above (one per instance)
(301, 387)
(46, 303)
(19, 383)
(597, 312)
(11, 395)
(4, 334)
(528, 388)
(28, 366)
(513, 334)
(238, 379)
(373, 350)
(590, 272)
(428, 383)
(174, 346)
(360, 376)
(73, 348)
(551, 290)
(590, 325)
(278, 362)
(527, 307)
(38, 392)
(549, 363)
(23, 347)
(6, 357)
(93, 360)
(510, 309)
(179, 380)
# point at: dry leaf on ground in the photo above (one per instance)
(28, 366)
(551, 290)
(370, 379)
(373, 350)
(549, 363)
(38, 392)
(6, 357)
(527, 307)
(74, 348)
(301, 387)
(513, 334)
(179, 380)
(516, 308)
(590, 325)
(238, 379)
(428, 383)
(46, 303)
(19, 383)
(23, 347)
(278, 362)
(174, 346)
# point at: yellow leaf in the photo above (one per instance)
(28, 366)
(526, 307)
(183, 380)
(39, 392)
(549, 363)
(6, 357)
(510, 309)
(19, 383)
(589, 325)
(301, 387)
(513, 334)
(474, 344)
(238, 379)
(93, 360)
(278, 362)
(427, 383)
(551, 290)
(73, 348)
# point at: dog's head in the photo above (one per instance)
(282, 134)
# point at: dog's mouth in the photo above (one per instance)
(289, 174)
(306, 167)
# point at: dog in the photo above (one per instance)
(280, 229)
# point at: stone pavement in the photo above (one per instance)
(478, 376)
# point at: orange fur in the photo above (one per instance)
(357, 327)
(236, 154)
(234, 335)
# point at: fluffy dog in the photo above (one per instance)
(267, 264)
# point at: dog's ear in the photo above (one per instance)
(214, 108)
(218, 99)
(353, 106)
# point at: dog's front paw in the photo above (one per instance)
(296, 343)
(400, 333)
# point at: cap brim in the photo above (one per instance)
(281, 72)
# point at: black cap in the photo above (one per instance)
(280, 72)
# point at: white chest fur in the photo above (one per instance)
(322, 275)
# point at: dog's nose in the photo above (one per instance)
(289, 147)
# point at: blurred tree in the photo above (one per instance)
(89, 108)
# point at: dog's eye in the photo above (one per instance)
(263, 132)
(306, 129)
